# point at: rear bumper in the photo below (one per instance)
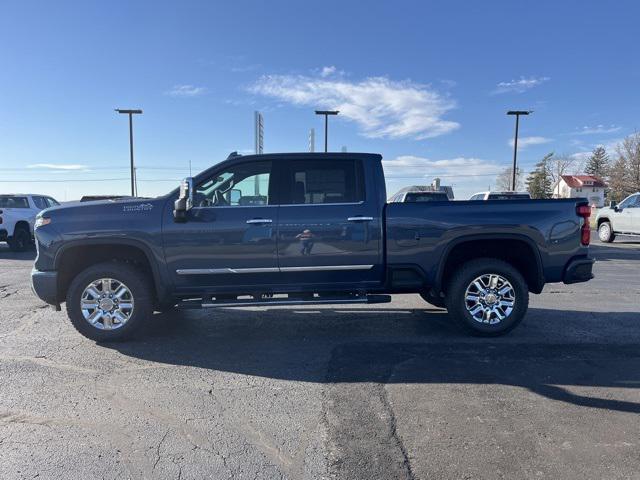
(45, 286)
(578, 270)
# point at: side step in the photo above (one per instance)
(249, 301)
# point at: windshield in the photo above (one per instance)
(509, 196)
(426, 197)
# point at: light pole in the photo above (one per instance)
(326, 114)
(131, 113)
(517, 113)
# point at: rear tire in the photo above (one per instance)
(485, 311)
(21, 240)
(605, 232)
(108, 326)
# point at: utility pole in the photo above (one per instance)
(326, 114)
(517, 113)
(131, 113)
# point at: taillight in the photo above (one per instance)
(584, 211)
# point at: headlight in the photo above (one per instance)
(42, 221)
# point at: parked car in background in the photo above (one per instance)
(621, 219)
(417, 196)
(423, 193)
(501, 196)
(17, 216)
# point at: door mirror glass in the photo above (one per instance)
(234, 196)
(184, 203)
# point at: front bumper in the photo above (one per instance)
(45, 286)
(578, 270)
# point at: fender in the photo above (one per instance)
(489, 236)
(160, 283)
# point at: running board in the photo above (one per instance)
(264, 302)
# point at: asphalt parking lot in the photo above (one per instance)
(325, 392)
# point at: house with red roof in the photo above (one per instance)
(587, 186)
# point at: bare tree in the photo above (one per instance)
(558, 166)
(624, 177)
(503, 180)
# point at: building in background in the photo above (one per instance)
(575, 186)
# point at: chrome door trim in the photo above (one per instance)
(219, 271)
(260, 220)
(323, 268)
(360, 219)
(222, 271)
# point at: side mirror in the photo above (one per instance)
(234, 196)
(184, 203)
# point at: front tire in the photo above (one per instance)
(109, 301)
(605, 232)
(487, 297)
(21, 240)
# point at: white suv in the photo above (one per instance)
(17, 216)
(621, 219)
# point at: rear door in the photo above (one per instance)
(329, 226)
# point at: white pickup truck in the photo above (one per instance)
(17, 216)
(620, 219)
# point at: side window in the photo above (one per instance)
(629, 202)
(243, 184)
(14, 202)
(326, 181)
(635, 202)
(51, 202)
(40, 203)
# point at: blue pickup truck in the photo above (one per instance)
(308, 228)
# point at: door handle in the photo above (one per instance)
(260, 220)
(360, 219)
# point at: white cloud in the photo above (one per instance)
(598, 129)
(414, 167)
(524, 142)
(186, 91)
(521, 85)
(326, 71)
(382, 108)
(58, 166)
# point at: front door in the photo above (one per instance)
(623, 219)
(329, 226)
(228, 242)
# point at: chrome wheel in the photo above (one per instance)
(604, 232)
(106, 304)
(490, 298)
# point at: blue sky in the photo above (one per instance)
(426, 84)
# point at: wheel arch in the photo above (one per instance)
(518, 250)
(74, 257)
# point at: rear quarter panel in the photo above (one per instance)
(423, 234)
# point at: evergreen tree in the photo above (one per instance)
(598, 163)
(539, 183)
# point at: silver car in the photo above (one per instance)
(621, 219)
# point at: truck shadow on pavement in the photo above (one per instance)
(400, 346)
(8, 254)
